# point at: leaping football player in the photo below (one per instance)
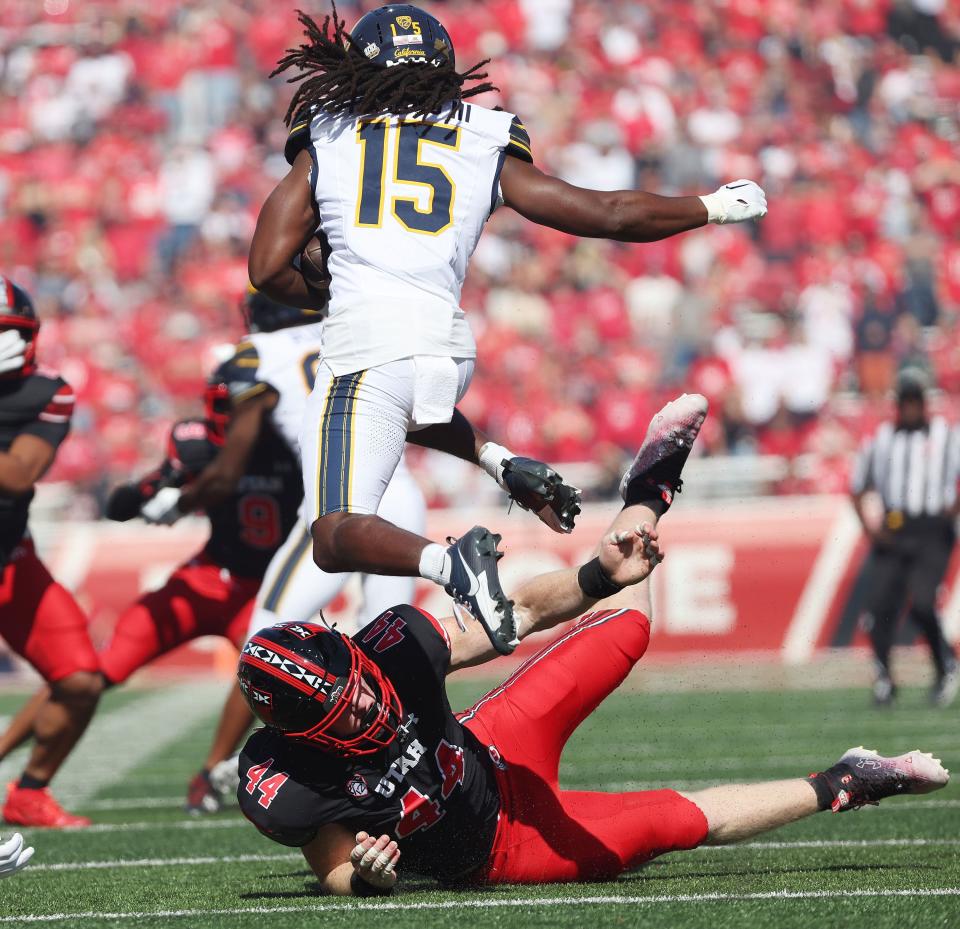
(39, 619)
(362, 764)
(399, 174)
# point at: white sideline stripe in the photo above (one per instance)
(511, 902)
(821, 588)
(161, 862)
(188, 824)
(240, 823)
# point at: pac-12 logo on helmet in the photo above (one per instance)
(401, 33)
(18, 331)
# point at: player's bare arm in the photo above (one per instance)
(286, 222)
(24, 464)
(623, 215)
(220, 478)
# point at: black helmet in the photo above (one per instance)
(401, 33)
(300, 678)
(17, 312)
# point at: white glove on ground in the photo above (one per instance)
(162, 509)
(13, 856)
(12, 349)
(736, 202)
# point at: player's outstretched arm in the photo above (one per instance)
(352, 865)
(220, 478)
(286, 222)
(623, 215)
(24, 464)
(627, 555)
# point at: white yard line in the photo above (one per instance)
(293, 856)
(162, 862)
(159, 826)
(502, 903)
(131, 733)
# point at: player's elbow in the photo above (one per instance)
(16, 483)
(263, 270)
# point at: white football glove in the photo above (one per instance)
(12, 351)
(162, 510)
(13, 856)
(736, 202)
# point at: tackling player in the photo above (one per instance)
(362, 761)
(400, 174)
(39, 619)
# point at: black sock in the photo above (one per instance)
(645, 491)
(829, 783)
(32, 783)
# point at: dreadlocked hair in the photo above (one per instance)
(336, 76)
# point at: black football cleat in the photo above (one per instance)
(864, 777)
(475, 585)
(654, 475)
(202, 796)
(533, 485)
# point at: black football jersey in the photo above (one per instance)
(250, 525)
(41, 405)
(432, 788)
(247, 528)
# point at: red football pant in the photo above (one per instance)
(40, 620)
(199, 598)
(546, 834)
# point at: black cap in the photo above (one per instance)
(912, 384)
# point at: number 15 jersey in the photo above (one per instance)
(402, 201)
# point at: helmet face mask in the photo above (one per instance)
(216, 407)
(17, 312)
(401, 33)
(303, 679)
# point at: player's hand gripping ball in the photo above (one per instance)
(313, 263)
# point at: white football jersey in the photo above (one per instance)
(286, 360)
(402, 202)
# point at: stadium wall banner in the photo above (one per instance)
(773, 576)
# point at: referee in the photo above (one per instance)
(913, 463)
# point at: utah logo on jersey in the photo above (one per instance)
(357, 787)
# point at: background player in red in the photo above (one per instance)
(39, 619)
(362, 758)
(213, 592)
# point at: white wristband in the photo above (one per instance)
(492, 457)
(715, 211)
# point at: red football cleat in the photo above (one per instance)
(26, 807)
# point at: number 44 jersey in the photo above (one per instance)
(432, 789)
(402, 201)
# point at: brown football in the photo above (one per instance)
(313, 262)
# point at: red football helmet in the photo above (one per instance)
(17, 312)
(216, 405)
(300, 678)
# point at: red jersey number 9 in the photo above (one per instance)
(259, 521)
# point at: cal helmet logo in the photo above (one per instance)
(357, 787)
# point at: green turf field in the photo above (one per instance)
(147, 863)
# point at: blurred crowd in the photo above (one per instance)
(138, 139)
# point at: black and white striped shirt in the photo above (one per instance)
(914, 471)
